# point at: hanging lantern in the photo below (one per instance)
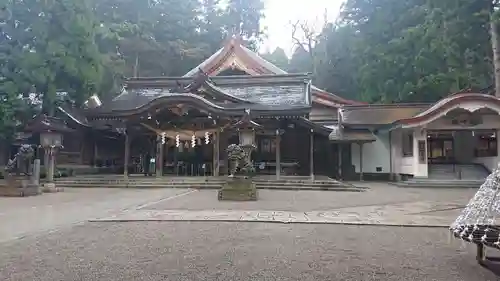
(193, 141)
(198, 141)
(207, 138)
(186, 144)
(177, 140)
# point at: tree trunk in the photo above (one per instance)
(49, 100)
(136, 65)
(496, 53)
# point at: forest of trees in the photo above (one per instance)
(377, 50)
(401, 51)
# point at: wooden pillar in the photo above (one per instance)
(176, 159)
(82, 149)
(51, 165)
(216, 154)
(311, 154)
(278, 154)
(46, 161)
(223, 148)
(159, 156)
(96, 153)
(340, 160)
(165, 153)
(126, 156)
(360, 161)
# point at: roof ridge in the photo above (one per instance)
(259, 66)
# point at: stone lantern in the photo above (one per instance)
(50, 130)
(246, 133)
(51, 142)
(240, 186)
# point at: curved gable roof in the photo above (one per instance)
(234, 54)
(451, 102)
(392, 116)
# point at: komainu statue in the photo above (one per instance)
(18, 177)
(239, 188)
(21, 163)
(239, 161)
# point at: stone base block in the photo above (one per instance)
(238, 190)
(51, 188)
(20, 191)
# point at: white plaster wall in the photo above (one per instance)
(400, 164)
(375, 154)
(406, 167)
(419, 169)
(395, 146)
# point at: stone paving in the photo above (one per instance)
(381, 205)
(304, 201)
(406, 214)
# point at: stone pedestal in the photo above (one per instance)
(50, 168)
(19, 186)
(35, 177)
(51, 187)
(238, 189)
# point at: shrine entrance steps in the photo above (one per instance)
(262, 182)
(439, 183)
(450, 176)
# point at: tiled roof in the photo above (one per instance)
(44, 123)
(340, 134)
(379, 114)
(267, 92)
(234, 54)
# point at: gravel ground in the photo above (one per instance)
(239, 251)
(379, 194)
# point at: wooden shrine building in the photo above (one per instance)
(182, 125)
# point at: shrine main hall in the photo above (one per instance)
(182, 126)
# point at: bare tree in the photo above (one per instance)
(306, 37)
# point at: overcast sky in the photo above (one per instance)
(279, 14)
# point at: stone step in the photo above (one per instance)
(134, 182)
(438, 181)
(201, 183)
(196, 186)
(441, 184)
(325, 188)
(269, 182)
(215, 186)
